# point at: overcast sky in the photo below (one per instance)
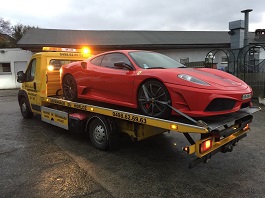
(176, 15)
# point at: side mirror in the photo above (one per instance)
(123, 65)
(21, 77)
(84, 65)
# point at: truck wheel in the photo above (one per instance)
(99, 133)
(25, 109)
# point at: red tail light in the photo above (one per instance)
(206, 145)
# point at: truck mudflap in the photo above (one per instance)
(222, 137)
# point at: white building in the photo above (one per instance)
(12, 60)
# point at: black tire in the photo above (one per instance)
(152, 97)
(25, 109)
(99, 133)
(69, 88)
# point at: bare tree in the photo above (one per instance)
(5, 34)
(10, 35)
(19, 30)
(5, 27)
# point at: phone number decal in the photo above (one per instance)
(129, 117)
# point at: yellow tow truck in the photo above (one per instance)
(41, 94)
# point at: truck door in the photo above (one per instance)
(30, 84)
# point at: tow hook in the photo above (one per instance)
(227, 148)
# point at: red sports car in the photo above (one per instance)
(153, 82)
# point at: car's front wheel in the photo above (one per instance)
(24, 108)
(69, 88)
(153, 99)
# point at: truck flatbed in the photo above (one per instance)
(183, 125)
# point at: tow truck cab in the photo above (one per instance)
(42, 76)
(41, 94)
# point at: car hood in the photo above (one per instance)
(215, 78)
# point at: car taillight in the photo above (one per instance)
(206, 145)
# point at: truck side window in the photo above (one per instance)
(30, 73)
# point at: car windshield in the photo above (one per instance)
(153, 60)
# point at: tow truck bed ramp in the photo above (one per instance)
(177, 124)
(125, 115)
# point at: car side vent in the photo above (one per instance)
(220, 104)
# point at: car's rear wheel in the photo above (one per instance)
(69, 88)
(153, 98)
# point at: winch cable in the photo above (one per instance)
(199, 122)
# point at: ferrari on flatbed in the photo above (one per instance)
(154, 83)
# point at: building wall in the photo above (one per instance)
(194, 55)
(18, 60)
(262, 54)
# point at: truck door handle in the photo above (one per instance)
(34, 84)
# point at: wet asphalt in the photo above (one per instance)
(41, 160)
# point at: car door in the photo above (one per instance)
(113, 84)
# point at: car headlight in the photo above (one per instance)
(192, 79)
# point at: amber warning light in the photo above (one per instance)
(174, 127)
(59, 49)
(84, 50)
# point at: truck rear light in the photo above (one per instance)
(246, 127)
(186, 149)
(206, 145)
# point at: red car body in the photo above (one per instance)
(197, 92)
